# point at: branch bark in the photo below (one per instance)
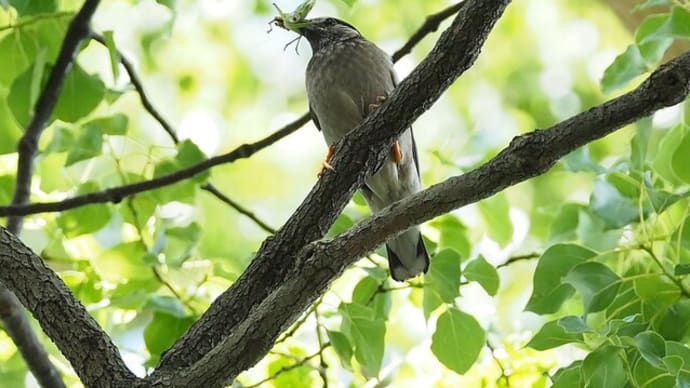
(356, 156)
(11, 312)
(63, 318)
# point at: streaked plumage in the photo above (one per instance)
(345, 76)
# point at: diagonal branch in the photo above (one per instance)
(11, 312)
(321, 262)
(116, 194)
(356, 156)
(167, 127)
(78, 336)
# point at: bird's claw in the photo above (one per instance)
(325, 165)
(397, 152)
(379, 101)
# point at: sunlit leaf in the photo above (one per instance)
(480, 271)
(549, 291)
(458, 340)
(624, 69)
(604, 368)
(596, 283)
(553, 335)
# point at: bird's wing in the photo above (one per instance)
(394, 78)
(314, 118)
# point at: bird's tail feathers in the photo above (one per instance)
(407, 255)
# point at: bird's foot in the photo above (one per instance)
(325, 165)
(397, 152)
(379, 101)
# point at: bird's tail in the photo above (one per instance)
(407, 256)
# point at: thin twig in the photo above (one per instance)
(117, 194)
(239, 208)
(167, 127)
(290, 367)
(28, 145)
(14, 320)
(430, 25)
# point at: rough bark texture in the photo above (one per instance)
(294, 267)
(63, 318)
(355, 157)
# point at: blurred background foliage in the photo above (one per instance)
(605, 235)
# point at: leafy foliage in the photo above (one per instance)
(610, 224)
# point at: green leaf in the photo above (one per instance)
(122, 262)
(430, 301)
(10, 131)
(680, 161)
(496, 213)
(604, 368)
(349, 3)
(652, 347)
(568, 377)
(646, 375)
(112, 51)
(166, 304)
(549, 292)
(163, 330)
(85, 219)
(651, 3)
(657, 289)
(366, 333)
(180, 243)
(289, 372)
(624, 69)
(610, 205)
(574, 324)
(680, 22)
(663, 164)
(88, 145)
(444, 275)
(640, 143)
(653, 37)
(33, 7)
(341, 224)
(81, 94)
(20, 94)
(675, 321)
(480, 271)
(453, 234)
(112, 125)
(341, 345)
(458, 340)
(596, 284)
(553, 335)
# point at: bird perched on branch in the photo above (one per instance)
(348, 77)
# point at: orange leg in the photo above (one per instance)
(325, 165)
(397, 152)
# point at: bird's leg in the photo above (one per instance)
(325, 165)
(395, 149)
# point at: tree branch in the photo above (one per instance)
(148, 106)
(63, 318)
(320, 262)
(360, 152)
(12, 314)
(78, 31)
(116, 194)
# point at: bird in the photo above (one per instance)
(347, 77)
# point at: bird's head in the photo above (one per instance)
(323, 31)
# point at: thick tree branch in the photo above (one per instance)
(355, 157)
(11, 312)
(62, 317)
(320, 262)
(116, 194)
